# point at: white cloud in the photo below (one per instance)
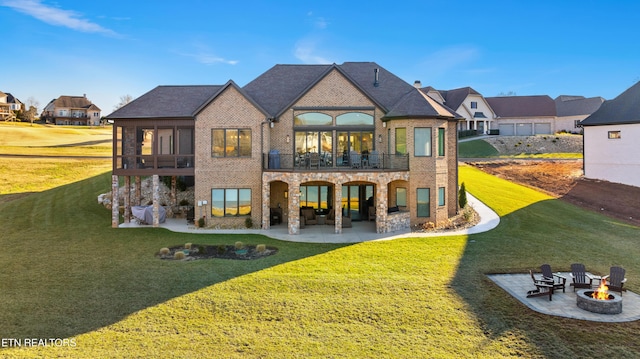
(204, 55)
(305, 51)
(56, 16)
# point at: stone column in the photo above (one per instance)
(382, 204)
(293, 221)
(115, 210)
(266, 204)
(156, 200)
(138, 196)
(127, 199)
(174, 186)
(337, 208)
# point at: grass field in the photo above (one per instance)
(68, 274)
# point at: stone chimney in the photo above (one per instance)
(417, 84)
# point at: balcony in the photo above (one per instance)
(275, 161)
(150, 164)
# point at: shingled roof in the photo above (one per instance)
(454, 98)
(624, 109)
(167, 102)
(577, 105)
(72, 102)
(522, 106)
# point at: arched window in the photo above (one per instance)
(354, 119)
(313, 119)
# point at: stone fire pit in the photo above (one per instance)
(612, 305)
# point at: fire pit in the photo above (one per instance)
(599, 301)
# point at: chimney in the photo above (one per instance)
(376, 72)
(417, 84)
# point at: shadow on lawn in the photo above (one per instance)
(68, 272)
(554, 232)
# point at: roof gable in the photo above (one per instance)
(168, 102)
(417, 104)
(522, 106)
(624, 109)
(577, 105)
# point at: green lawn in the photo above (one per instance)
(67, 274)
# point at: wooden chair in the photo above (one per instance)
(557, 280)
(581, 279)
(542, 288)
(616, 279)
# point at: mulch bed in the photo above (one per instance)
(199, 251)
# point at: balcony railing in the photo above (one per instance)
(326, 162)
(154, 162)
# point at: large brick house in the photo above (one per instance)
(71, 110)
(352, 142)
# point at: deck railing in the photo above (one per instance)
(325, 162)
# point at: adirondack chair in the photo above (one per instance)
(542, 288)
(616, 279)
(558, 281)
(581, 279)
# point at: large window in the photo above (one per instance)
(354, 119)
(422, 141)
(441, 196)
(401, 141)
(313, 119)
(401, 196)
(231, 143)
(230, 202)
(441, 142)
(422, 196)
(315, 196)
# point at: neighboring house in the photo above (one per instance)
(71, 110)
(351, 141)
(9, 104)
(469, 103)
(611, 135)
(571, 110)
(524, 115)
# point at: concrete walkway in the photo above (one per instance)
(360, 232)
(564, 304)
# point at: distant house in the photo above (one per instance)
(299, 145)
(9, 104)
(611, 133)
(470, 104)
(71, 110)
(571, 110)
(524, 115)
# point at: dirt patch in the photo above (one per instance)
(199, 251)
(564, 180)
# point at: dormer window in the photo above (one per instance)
(474, 104)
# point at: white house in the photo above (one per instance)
(524, 115)
(611, 150)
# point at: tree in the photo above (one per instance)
(30, 111)
(508, 93)
(123, 101)
(462, 196)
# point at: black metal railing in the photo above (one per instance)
(327, 162)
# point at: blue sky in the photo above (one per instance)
(108, 49)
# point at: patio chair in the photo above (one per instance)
(581, 279)
(557, 280)
(355, 159)
(309, 215)
(616, 279)
(314, 160)
(542, 288)
(374, 159)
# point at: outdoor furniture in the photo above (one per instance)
(355, 159)
(314, 160)
(374, 159)
(557, 280)
(372, 213)
(581, 279)
(275, 215)
(542, 288)
(616, 279)
(309, 215)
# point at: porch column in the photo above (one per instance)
(266, 204)
(174, 186)
(382, 205)
(156, 200)
(337, 208)
(115, 211)
(127, 199)
(293, 221)
(138, 196)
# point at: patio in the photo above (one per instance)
(564, 304)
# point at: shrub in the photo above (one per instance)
(187, 246)
(201, 250)
(239, 245)
(221, 249)
(248, 222)
(184, 202)
(178, 255)
(164, 251)
(201, 222)
(462, 196)
(260, 248)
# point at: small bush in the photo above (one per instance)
(239, 245)
(187, 246)
(221, 249)
(248, 222)
(184, 202)
(462, 196)
(201, 222)
(164, 251)
(178, 255)
(201, 250)
(260, 248)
